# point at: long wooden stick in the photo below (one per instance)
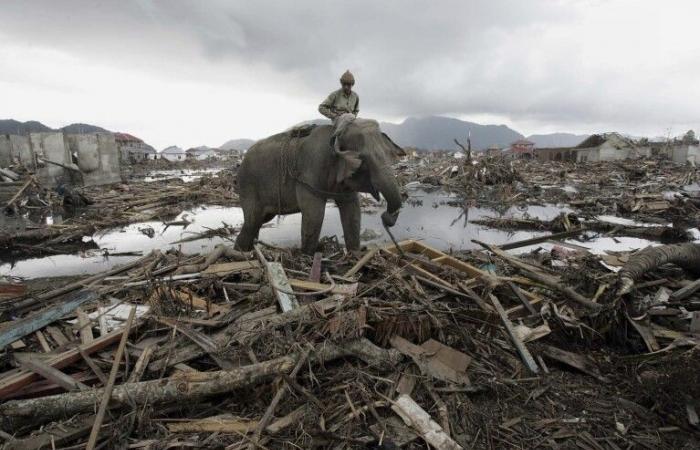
(543, 278)
(18, 193)
(107, 394)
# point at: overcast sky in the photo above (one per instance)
(202, 72)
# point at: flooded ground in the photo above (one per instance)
(437, 218)
(434, 217)
(186, 175)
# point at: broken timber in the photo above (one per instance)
(23, 327)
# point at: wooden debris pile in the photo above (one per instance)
(410, 349)
(109, 207)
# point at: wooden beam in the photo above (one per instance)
(518, 293)
(362, 262)
(517, 343)
(12, 383)
(685, 291)
(537, 240)
(20, 328)
(280, 283)
(107, 393)
(85, 325)
(37, 366)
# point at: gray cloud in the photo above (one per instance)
(554, 63)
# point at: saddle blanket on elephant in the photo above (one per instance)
(302, 130)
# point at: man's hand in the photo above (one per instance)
(389, 219)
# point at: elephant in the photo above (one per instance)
(284, 174)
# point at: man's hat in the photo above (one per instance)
(347, 78)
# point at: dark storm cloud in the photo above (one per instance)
(532, 60)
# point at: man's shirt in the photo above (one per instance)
(338, 102)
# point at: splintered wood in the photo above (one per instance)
(410, 349)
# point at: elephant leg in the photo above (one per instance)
(350, 217)
(252, 221)
(312, 209)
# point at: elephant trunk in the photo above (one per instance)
(385, 182)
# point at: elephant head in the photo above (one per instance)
(377, 152)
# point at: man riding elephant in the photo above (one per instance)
(342, 101)
(341, 107)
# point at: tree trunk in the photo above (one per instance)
(185, 387)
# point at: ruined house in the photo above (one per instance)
(56, 158)
(522, 148)
(133, 150)
(608, 147)
(173, 153)
(597, 147)
(201, 153)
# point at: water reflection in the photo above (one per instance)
(436, 218)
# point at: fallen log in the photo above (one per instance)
(186, 386)
(246, 327)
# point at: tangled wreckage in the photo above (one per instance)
(541, 342)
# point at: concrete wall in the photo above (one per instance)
(5, 150)
(22, 151)
(174, 156)
(51, 146)
(97, 157)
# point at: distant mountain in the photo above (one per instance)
(438, 133)
(557, 139)
(11, 126)
(237, 144)
(82, 128)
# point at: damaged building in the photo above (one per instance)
(616, 147)
(133, 150)
(56, 158)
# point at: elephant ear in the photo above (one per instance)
(348, 163)
(398, 151)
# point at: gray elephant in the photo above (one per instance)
(283, 174)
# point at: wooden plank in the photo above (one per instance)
(282, 287)
(518, 293)
(20, 328)
(418, 419)
(315, 275)
(50, 438)
(22, 378)
(102, 320)
(42, 341)
(107, 394)
(685, 291)
(362, 262)
(57, 335)
(341, 289)
(537, 240)
(437, 256)
(231, 267)
(141, 364)
(435, 359)
(225, 423)
(517, 343)
(39, 367)
(279, 281)
(645, 332)
(574, 360)
(93, 366)
(85, 325)
(12, 290)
